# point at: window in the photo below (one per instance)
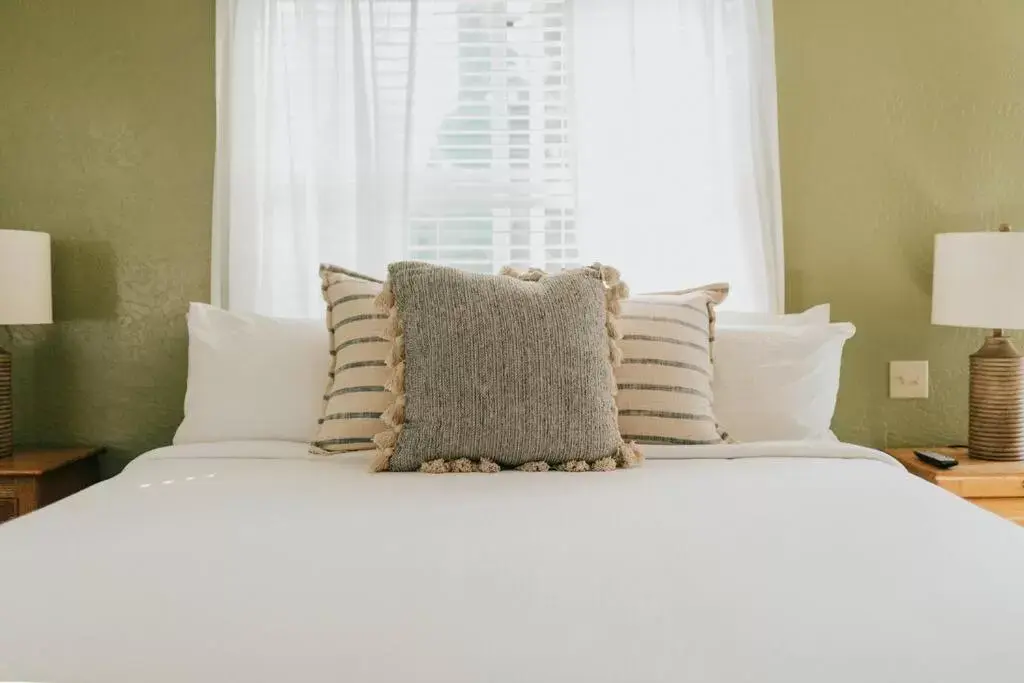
(480, 133)
(492, 179)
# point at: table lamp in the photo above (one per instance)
(24, 300)
(979, 282)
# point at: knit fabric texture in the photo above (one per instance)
(501, 371)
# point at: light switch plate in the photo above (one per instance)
(908, 379)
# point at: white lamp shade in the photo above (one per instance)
(25, 278)
(979, 280)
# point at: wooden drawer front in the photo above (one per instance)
(1004, 486)
(1008, 508)
(8, 504)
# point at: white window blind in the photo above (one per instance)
(492, 178)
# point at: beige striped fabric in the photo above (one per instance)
(664, 381)
(355, 396)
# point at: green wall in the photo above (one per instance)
(106, 142)
(898, 120)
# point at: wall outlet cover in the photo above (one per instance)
(908, 379)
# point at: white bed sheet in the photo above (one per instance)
(250, 561)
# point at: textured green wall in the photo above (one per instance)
(898, 120)
(106, 142)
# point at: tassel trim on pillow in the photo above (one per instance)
(394, 415)
(628, 456)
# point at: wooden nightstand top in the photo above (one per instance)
(993, 485)
(32, 478)
(968, 467)
(37, 462)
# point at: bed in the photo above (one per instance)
(790, 561)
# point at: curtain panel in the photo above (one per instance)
(479, 133)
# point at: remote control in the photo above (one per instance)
(939, 460)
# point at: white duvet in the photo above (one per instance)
(796, 563)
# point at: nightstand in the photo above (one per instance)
(995, 486)
(33, 478)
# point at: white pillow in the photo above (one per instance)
(252, 377)
(780, 382)
(817, 314)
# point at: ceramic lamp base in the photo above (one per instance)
(6, 406)
(996, 430)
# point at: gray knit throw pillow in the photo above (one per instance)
(501, 371)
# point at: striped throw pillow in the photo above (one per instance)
(665, 377)
(355, 396)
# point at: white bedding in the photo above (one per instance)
(819, 563)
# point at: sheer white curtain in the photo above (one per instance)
(678, 154)
(640, 133)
